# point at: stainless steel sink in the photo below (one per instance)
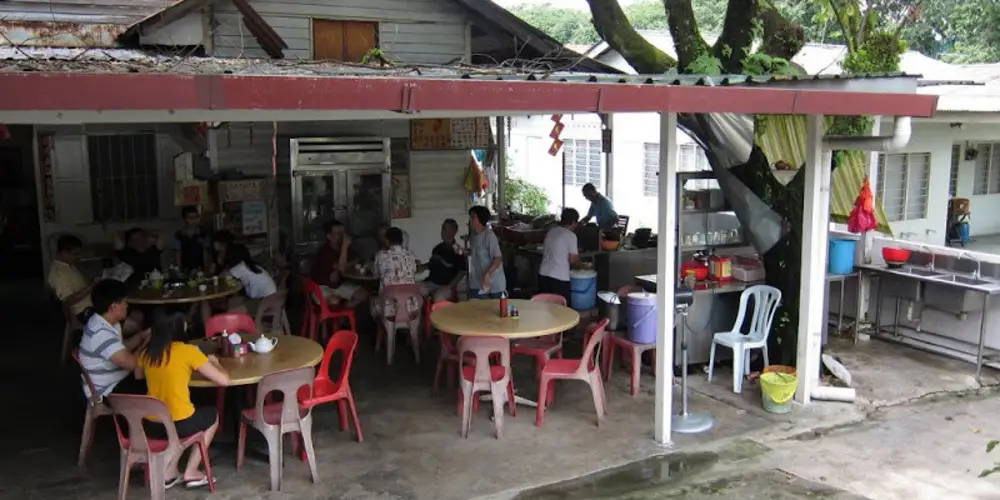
(964, 280)
(917, 271)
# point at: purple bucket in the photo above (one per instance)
(642, 317)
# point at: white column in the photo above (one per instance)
(666, 273)
(867, 239)
(815, 238)
(609, 158)
(501, 159)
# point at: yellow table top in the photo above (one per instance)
(182, 295)
(482, 317)
(291, 352)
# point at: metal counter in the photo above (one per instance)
(716, 305)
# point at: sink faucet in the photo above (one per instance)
(928, 250)
(979, 263)
(905, 235)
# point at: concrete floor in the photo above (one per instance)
(412, 449)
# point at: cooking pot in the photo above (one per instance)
(612, 307)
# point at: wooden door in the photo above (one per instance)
(347, 41)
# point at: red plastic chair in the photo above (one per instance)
(483, 376)
(327, 390)
(137, 448)
(448, 354)
(231, 323)
(585, 369)
(317, 311)
(428, 303)
(95, 409)
(619, 340)
(543, 348)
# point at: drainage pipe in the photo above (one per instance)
(827, 393)
(901, 131)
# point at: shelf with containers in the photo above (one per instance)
(705, 221)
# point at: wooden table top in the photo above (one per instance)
(291, 352)
(182, 295)
(482, 318)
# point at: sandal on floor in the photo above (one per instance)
(170, 483)
(198, 483)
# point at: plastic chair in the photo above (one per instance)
(317, 311)
(448, 354)
(428, 302)
(766, 300)
(95, 409)
(231, 323)
(482, 376)
(327, 390)
(401, 295)
(619, 340)
(585, 369)
(137, 448)
(277, 419)
(69, 332)
(542, 348)
(273, 306)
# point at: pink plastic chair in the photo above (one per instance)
(273, 307)
(327, 390)
(448, 354)
(619, 340)
(277, 419)
(542, 348)
(317, 311)
(137, 448)
(401, 295)
(231, 323)
(585, 369)
(95, 409)
(482, 376)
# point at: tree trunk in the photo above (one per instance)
(615, 29)
(736, 40)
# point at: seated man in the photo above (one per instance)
(136, 251)
(332, 259)
(394, 266)
(73, 289)
(447, 265)
(108, 357)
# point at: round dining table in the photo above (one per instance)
(481, 318)
(183, 294)
(290, 352)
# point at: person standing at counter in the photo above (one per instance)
(601, 209)
(486, 276)
(559, 253)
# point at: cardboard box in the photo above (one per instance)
(190, 193)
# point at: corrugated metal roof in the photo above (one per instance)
(71, 23)
(97, 60)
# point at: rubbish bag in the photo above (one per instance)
(863, 215)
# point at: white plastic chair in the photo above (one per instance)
(766, 300)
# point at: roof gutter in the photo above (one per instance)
(901, 131)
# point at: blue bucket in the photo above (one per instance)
(842, 256)
(583, 290)
(642, 317)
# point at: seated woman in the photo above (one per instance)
(167, 364)
(394, 266)
(256, 281)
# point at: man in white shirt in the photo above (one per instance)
(559, 253)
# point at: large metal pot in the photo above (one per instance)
(612, 307)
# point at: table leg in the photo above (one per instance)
(840, 309)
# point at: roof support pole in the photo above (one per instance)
(501, 159)
(815, 237)
(666, 274)
(607, 144)
(867, 239)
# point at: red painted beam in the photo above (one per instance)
(76, 91)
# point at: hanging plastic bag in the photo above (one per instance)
(863, 215)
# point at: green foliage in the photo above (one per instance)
(565, 25)
(525, 197)
(762, 64)
(705, 64)
(879, 52)
(996, 465)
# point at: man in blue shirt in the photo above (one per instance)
(601, 208)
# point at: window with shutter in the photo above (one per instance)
(123, 177)
(346, 41)
(903, 185)
(584, 162)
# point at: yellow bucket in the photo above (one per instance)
(777, 388)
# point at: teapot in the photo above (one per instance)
(264, 345)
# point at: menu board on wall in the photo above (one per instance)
(254, 217)
(447, 133)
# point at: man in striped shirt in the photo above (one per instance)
(109, 359)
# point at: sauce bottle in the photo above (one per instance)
(503, 304)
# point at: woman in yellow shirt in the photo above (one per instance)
(167, 364)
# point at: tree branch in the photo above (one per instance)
(781, 37)
(736, 40)
(684, 30)
(615, 29)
